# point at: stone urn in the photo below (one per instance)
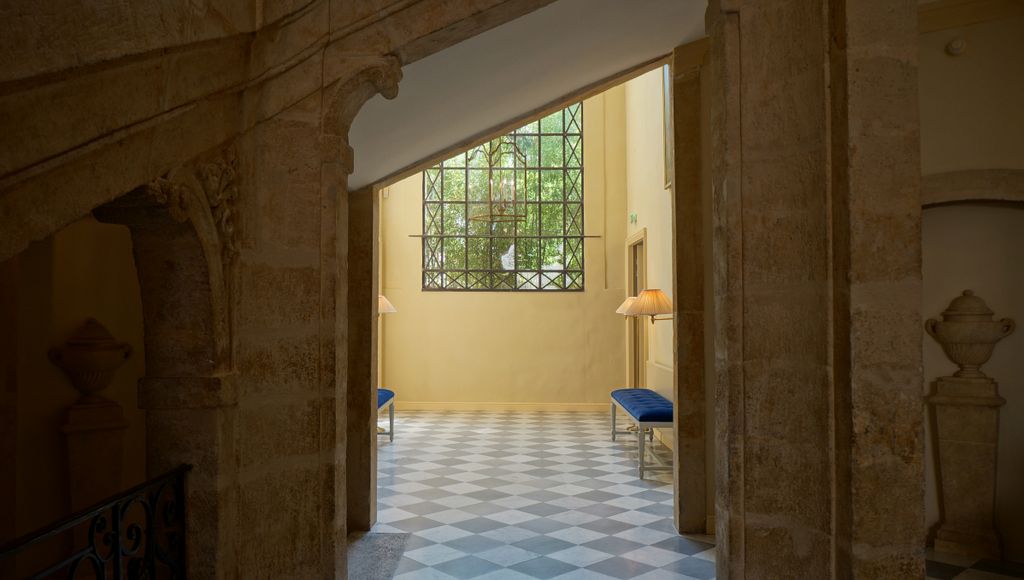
(90, 358)
(968, 334)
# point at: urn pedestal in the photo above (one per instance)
(967, 432)
(966, 409)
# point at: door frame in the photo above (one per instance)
(637, 342)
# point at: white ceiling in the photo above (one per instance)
(511, 70)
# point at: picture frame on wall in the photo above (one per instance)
(666, 94)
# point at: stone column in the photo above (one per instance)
(877, 423)
(95, 425)
(689, 451)
(361, 454)
(816, 257)
(188, 393)
(966, 407)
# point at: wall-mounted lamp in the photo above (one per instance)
(384, 306)
(625, 304)
(650, 302)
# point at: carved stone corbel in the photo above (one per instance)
(374, 75)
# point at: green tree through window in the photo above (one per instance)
(535, 244)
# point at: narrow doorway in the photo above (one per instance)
(637, 280)
(502, 359)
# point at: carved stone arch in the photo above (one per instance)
(350, 278)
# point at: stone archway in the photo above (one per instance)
(183, 242)
(355, 288)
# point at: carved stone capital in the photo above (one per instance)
(172, 195)
(204, 192)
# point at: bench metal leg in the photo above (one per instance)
(640, 450)
(613, 421)
(391, 421)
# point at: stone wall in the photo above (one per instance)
(219, 132)
(158, 99)
(816, 260)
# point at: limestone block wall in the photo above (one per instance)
(143, 98)
(284, 451)
(816, 265)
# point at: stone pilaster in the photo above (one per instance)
(816, 250)
(361, 454)
(689, 449)
(877, 423)
(967, 420)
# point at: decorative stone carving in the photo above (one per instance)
(219, 184)
(189, 191)
(966, 408)
(968, 334)
(90, 358)
(173, 195)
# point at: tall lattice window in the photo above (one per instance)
(475, 238)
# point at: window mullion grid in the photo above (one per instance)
(536, 274)
(492, 273)
(443, 274)
(465, 218)
(579, 124)
(565, 261)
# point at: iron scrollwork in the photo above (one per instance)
(137, 535)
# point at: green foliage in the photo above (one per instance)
(542, 250)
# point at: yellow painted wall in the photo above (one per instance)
(972, 118)
(511, 349)
(85, 270)
(651, 201)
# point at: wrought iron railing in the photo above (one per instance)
(136, 535)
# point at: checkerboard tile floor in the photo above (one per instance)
(950, 567)
(520, 495)
(547, 495)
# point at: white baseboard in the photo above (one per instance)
(495, 406)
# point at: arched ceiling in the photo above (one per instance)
(511, 70)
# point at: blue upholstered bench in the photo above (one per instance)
(386, 398)
(648, 410)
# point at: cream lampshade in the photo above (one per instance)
(625, 305)
(650, 303)
(384, 306)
